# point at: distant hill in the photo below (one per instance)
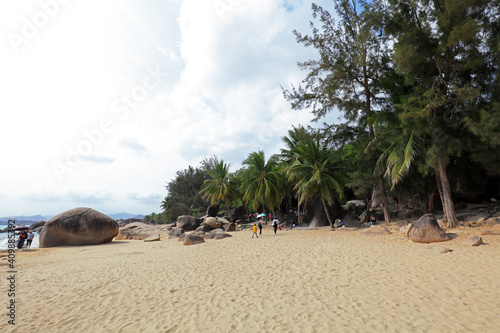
(22, 219)
(125, 216)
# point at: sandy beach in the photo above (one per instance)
(296, 281)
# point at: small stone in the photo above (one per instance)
(473, 240)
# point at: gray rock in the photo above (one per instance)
(222, 235)
(237, 213)
(78, 226)
(152, 238)
(188, 223)
(192, 239)
(175, 233)
(37, 225)
(213, 222)
(140, 231)
(212, 210)
(351, 221)
(427, 230)
(473, 240)
(209, 235)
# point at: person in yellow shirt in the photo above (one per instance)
(254, 230)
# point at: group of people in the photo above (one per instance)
(276, 226)
(25, 236)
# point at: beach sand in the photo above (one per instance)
(296, 281)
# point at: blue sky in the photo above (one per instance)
(102, 102)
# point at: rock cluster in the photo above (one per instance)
(210, 228)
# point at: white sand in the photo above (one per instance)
(297, 281)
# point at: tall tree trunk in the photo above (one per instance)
(327, 212)
(298, 212)
(385, 203)
(440, 190)
(448, 202)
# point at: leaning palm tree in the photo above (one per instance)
(220, 186)
(262, 181)
(316, 173)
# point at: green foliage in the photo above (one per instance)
(261, 181)
(316, 172)
(184, 196)
(219, 187)
(353, 58)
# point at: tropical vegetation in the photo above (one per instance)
(416, 84)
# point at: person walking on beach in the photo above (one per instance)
(254, 230)
(22, 236)
(260, 228)
(275, 225)
(31, 235)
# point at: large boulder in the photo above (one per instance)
(351, 221)
(212, 210)
(141, 231)
(427, 230)
(188, 223)
(229, 227)
(213, 222)
(78, 226)
(237, 213)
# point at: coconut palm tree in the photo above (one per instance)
(316, 173)
(289, 154)
(220, 186)
(262, 181)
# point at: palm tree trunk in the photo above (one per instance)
(448, 202)
(385, 203)
(326, 211)
(264, 211)
(298, 212)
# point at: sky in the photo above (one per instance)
(102, 102)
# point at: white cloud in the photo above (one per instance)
(221, 96)
(148, 197)
(133, 145)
